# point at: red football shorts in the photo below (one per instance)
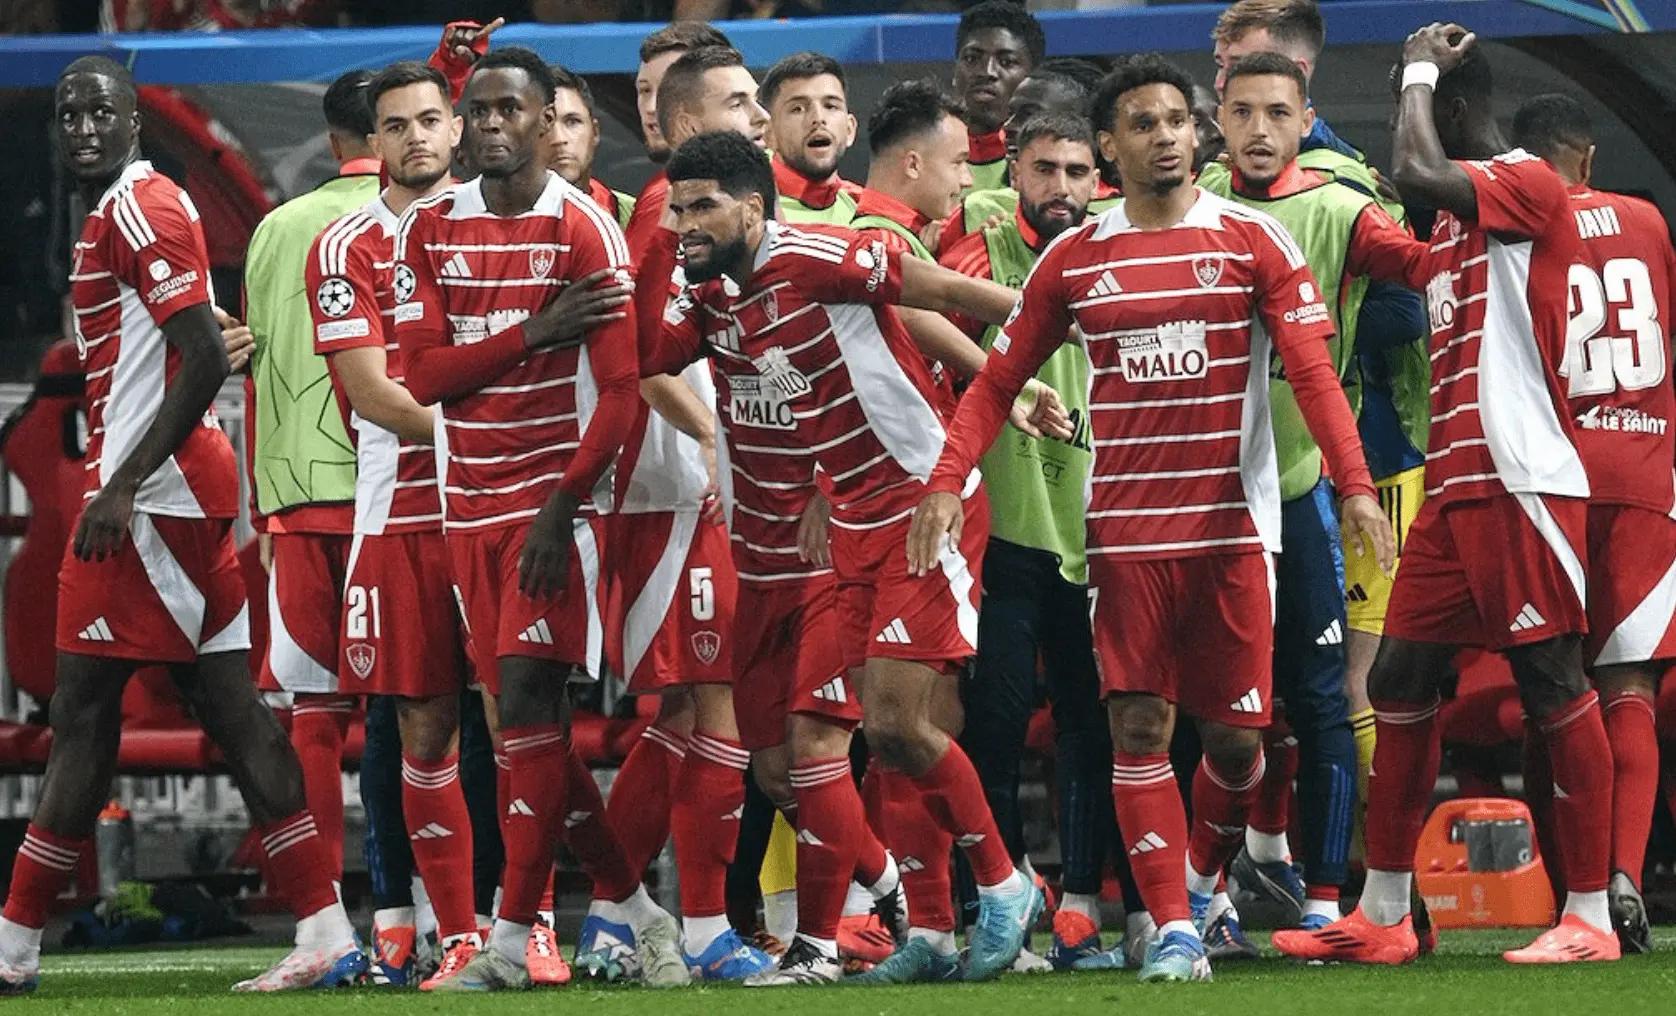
(172, 593)
(1197, 631)
(501, 621)
(1632, 585)
(787, 650)
(883, 611)
(1492, 572)
(401, 626)
(305, 612)
(670, 597)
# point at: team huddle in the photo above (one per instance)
(1060, 394)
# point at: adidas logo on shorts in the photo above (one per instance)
(809, 838)
(537, 634)
(895, 633)
(98, 631)
(1250, 702)
(832, 691)
(1332, 636)
(1356, 594)
(1528, 618)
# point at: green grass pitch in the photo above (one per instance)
(1466, 977)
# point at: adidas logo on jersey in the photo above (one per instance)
(98, 631)
(895, 633)
(1332, 636)
(537, 633)
(1250, 702)
(1106, 286)
(832, 691)
(1147, 844)
(432, 831)
(1528, 618)
(518, 807)
(456, 267)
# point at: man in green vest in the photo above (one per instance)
(1035, 594)
(1265, 117)
(303, 463)
(810, 127)
(996, 44)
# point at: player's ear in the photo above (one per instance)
(1309, 117)
(853, 127)
(911, 163)
(456, 129)
(1108, 146)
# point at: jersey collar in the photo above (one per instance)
(874, 202)
(1292, 180)
(361, 167)
(986, 148)
(819, 195)
(1026, 231)
(130, 173)
(1204, 213)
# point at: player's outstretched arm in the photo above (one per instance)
(194, 334)
(933, 287)
(1423, 173)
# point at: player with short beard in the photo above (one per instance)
(151, 575)
(1165, 291)
(810, 127)
(843, 349)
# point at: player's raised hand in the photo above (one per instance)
(814, 540)
(1444, 45)
(1366, 528)
(544, 566)
(468, 40)
(1039, 411)
(104, 523)
(937, 519)
(595, 299)
(237, 337)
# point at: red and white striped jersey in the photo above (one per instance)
(517, 424)
(349, 281)
(1616, 367)
(141, 259)
(1177, 325)
(1496, 298)
(817, 370)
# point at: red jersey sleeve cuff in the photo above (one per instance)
(945, 481)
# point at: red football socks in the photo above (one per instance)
(1406, 755)
(1220, 805)
(1635, 779)
(1153, 824)
(954, 796)
(298, 864)
(439, 828)
(592, 839)
(921, 848)
(1271, 809)
(827, 842)
(709, 796)
(640, 797)
(319, 726)
(41, 870)
(1582, 763)
(537, 787)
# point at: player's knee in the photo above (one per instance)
(1397, 675)
(1549, 675)
(814, 738)
(81, 720)
(1140, 724)
(1231, 751)
(1637, 679)
(429, 726)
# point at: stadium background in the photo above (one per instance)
(236, 116)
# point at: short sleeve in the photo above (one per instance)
(341, 282)
(1516, 193)
(158, 248)
(842, 267)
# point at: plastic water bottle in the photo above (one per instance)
(114, 839)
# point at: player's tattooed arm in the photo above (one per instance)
(1421, 169)
(195, 335)
(930, 286)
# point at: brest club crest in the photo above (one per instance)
(541, 261)
(1208, 271)
(707, 645)
(360, 657)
